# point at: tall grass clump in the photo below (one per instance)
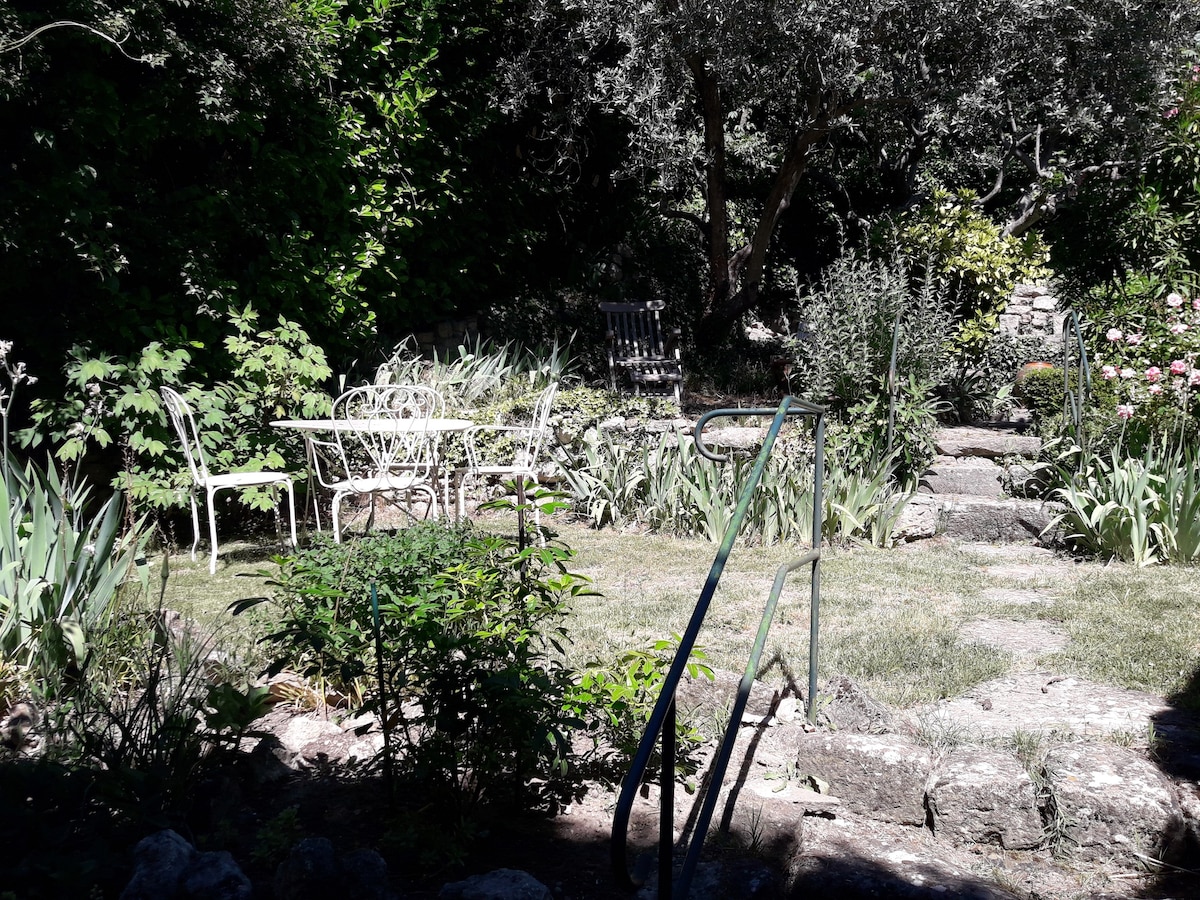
(668, 487)
(1140, 509)
(480, 373)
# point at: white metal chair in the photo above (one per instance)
(382, 445)
(180, 414)
(521, 464)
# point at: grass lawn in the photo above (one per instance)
(889, 619)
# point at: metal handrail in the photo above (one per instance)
(1074, 400)
(662, 719)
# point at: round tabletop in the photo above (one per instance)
(376, 424)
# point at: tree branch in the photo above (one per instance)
(152, 60)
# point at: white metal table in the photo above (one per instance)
(311, 427)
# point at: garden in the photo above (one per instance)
(261, 208)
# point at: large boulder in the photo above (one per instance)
(1110, 802)
(880, 776)
(980, 796)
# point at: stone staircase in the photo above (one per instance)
(963, 492)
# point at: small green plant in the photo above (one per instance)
(615, 701)
(1042, 391)
(849, 321)
(277, 836)
(469, 633)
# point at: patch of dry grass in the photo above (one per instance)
(889, 619)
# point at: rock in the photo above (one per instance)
(918, 520)
(973, 476)
(719, 693)
(980, 519)
(850, 708)
(312, 871)
(502, 884)
(989, 443)
(215, 876)
(852, 859)
(983, 797)
(1034, 702)
(1110, 801)
(882, 777)
(159, 862)
(738, 879)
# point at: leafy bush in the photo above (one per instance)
(1042, 391)
(467, 629)
(274, 373)
(1152, 360)
(949, 240)
(615, 701)
(848, 320)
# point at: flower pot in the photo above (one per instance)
(1023, 372)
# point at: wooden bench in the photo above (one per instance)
(641, 349)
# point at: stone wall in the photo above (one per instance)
(1033, 311)
(446, 336)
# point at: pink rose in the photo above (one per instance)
(1174, 300)
(1153, 374)
(1154, 389)
(1134, 339)
(1128, 372)
(1125, 411)
(1178, 328)
(1194, 377)
(1196, 304)
(1115, 334)
(1109, 372)
(1178, 367)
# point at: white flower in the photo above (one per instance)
(1115, 334)
(1174, 301)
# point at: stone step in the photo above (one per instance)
(974, 518)
(972, 475)
(987, 441)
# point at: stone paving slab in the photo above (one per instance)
(1043, 701)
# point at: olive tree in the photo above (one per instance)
(730, 102)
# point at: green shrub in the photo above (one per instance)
(467, 634)
(847, 322)
(1150, 357)
(275, 373)
(948, 239)
(615, 700)
(1042, 391)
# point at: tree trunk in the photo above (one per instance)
(745, 267)
(709, 91)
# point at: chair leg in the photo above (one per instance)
(537, 519)
(195, 526)
(521, 542)
(461, 500)
(212, 533)
(337, 525)
(292, 510)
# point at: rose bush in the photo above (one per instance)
(1153, 367)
